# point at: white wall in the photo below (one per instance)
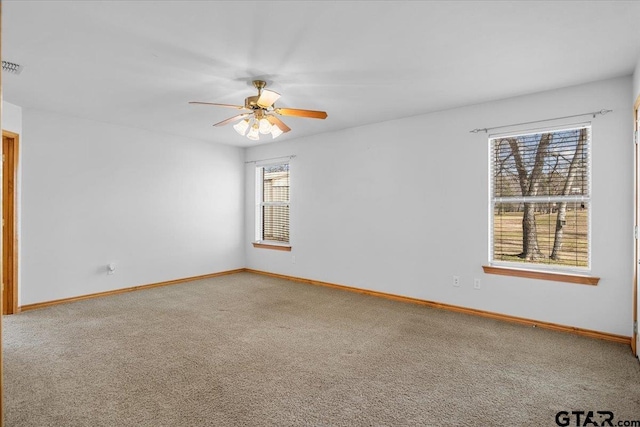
(161, 207)
(384, 207)
(11, 117)
(636, 82)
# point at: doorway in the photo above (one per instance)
(9, 226)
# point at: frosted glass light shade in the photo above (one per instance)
(242, 126)
(253, 133)
(265, 126)
(275, 131)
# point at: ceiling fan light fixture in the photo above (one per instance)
(275, 131)
(253, 133)
(242, 126)
(261, 116)
(264, 126)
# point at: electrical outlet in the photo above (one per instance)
(456, 280)
(476, 284)
(293, 259)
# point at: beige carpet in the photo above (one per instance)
(246, 350)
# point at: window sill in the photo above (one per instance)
(542, 275)
(272, 245)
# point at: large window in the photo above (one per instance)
(272, 204)
(540, 194)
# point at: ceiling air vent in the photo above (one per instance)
(11, 67)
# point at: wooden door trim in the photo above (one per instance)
(1, 361)
(12, 283)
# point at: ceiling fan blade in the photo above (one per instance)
(267, 98)
(233, 119)
(301, 113)
(238, 107)
(276, 121)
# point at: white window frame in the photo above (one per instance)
(552, 268)
(260, 204)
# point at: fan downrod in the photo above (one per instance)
(259, 84)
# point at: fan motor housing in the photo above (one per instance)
(251, 102)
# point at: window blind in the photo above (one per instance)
(540, 198)
(275, 203)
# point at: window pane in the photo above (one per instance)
(275, 190)
(541, 233)
(275, 223)
(543, 164)
(275, 187)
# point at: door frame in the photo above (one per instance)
(636, 261)
(10, 153)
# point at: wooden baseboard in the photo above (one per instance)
(124, 290)
(503, 317)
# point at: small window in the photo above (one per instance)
(272, 204)
(540, 199)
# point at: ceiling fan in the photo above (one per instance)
(262, 114)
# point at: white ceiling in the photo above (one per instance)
(138, 63)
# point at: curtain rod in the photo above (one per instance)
(291, 156)
(594, 114)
